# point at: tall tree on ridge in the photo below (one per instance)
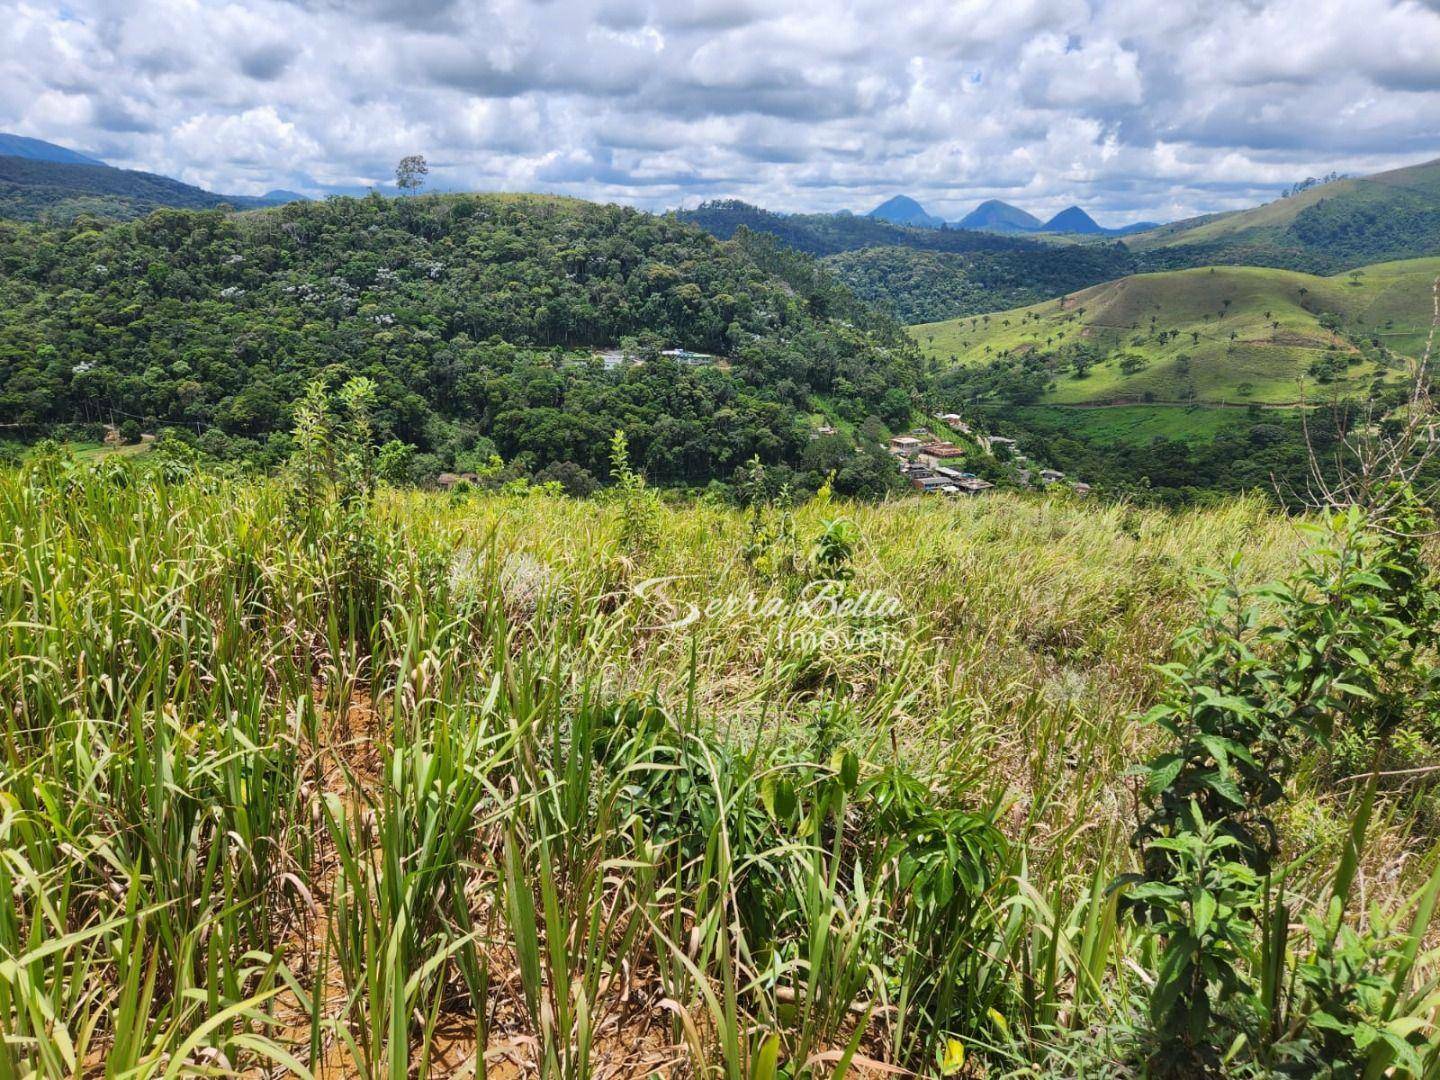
(410, 174)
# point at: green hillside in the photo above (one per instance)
(477, 317)
(32, 188)
(829, 234)
(919, 285)
(921, 274)
(1324, 229)
(1210, 335)
(924, 274)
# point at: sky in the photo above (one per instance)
(1154, 109)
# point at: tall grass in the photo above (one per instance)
(455, 792)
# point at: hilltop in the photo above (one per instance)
(1073, 220)
(1323, 229)
(830, 234)
(1001, 217)
(1219, 334)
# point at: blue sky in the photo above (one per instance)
(1154, 109)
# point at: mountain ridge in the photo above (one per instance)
(22, 146)
(34, 187)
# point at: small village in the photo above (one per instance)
(932, 466)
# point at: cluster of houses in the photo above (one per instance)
(930, 465)
(933, 465)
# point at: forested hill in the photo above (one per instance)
(829, 234)
(925, 286)
(476, 316)
(925, 274)
(33, 188)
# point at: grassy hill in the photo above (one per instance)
(1218, 334)
(1326, 228)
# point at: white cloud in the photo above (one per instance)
(1128, 107)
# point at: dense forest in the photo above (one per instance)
(1269, 452)
(476, 316)
(926, 274)
(924, 286)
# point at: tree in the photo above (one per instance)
(395, 463)
(410, 174)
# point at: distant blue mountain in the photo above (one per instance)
(1000, 217)
(1077, 222)
(992, 215)
(903, 210)
(279, 196)
(22, 146)
(1138, 226)
(1073, 220)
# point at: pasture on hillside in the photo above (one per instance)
(1213, 335)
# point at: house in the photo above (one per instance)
(930, 485)
(905, 445)
(954, 421)
(1082, 489)
(1051, 476)
(614, 359)
(825, 429)
(449, 480)
(964, 483)
(942, 449)
(996, 440)
(932, 453)
(688, 358)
